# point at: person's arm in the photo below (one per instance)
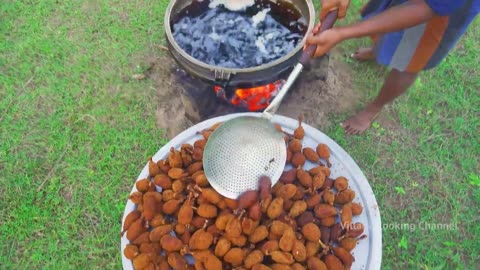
(404, 16)
(409, 14)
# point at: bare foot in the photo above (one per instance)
(364, 54)
(360, 122)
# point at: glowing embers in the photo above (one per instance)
(254, 98)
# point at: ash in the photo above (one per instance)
(220, 37)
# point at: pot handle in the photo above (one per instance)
(327, 23)
(304, 59)
(222, 75)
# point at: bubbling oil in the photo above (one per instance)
(247, 38)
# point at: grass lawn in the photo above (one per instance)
(76, 130)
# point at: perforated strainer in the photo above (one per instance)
(240, 151)
(243, 149)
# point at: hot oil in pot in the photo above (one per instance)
(257, 35)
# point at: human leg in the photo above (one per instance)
(363, 54)
(396, 83)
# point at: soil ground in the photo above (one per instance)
(314, 95)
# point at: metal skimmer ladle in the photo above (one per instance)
(243, 149)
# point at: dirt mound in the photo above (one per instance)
(316, 97)
(184, 101)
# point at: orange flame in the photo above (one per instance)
(255, 98)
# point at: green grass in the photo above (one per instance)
(422, 158)
(76, 131)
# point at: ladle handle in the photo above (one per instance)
(304, 59)
(327, 23)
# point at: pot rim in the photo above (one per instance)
(297, 49)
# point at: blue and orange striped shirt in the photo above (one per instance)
(425, 45)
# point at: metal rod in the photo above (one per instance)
(273, 107)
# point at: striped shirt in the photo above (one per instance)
(425, 45)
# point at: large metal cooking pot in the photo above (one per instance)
(235, 76)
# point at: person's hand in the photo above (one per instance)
(325, 40)
(329, 5)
